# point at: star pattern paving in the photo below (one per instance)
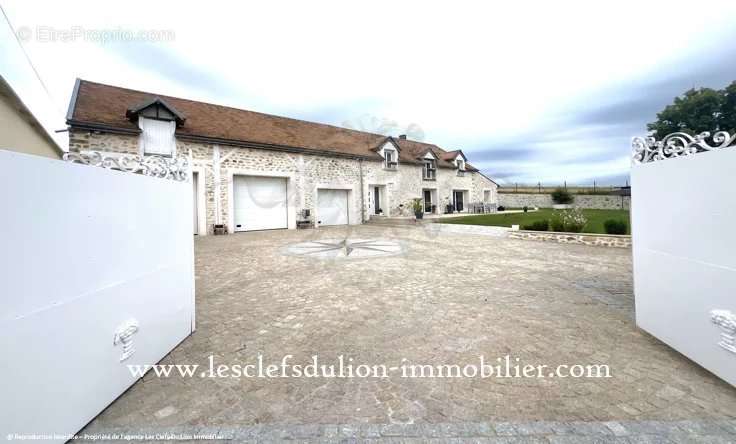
(346, 248)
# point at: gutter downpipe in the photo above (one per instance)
(362, 196)
(216, 178)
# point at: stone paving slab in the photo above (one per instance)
(447, 298)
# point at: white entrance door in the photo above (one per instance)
(376, 200)
(428, 201)
(332, 207)
(459, 200)
(260, 203)
(371, 206)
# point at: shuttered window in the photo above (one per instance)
(157, 136)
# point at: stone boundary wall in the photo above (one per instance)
(600, 240)
(588, 201)
(482, 230)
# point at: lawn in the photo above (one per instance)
(594, 225)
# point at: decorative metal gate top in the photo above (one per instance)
(648, 149)
(175, 168)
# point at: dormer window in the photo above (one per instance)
(157, 120)
(157, 137)
(430, 169)
(390, 159)
(460, 166)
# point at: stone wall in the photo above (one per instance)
(406, 183)
(110, 143)
(306, 173)
(601, 240)
(591, 201)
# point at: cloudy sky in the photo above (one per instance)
(530, 91)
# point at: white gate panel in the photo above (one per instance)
(684, 252)
(85, 250)
(332, 207)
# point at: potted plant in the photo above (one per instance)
(418, 207)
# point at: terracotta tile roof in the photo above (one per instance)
(413, 151)
(450, 155)
(96, 105)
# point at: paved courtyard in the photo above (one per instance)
(432, 299)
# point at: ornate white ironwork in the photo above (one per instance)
(727, 321)
(648, 149)
(124, 335)
(175, 168)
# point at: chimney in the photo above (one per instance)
(402, 136)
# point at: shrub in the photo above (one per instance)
(615, 226)
(525, 208)
(501, 208)
(561, 196)
(574, 220)
(568, 221)
(556, 223)
(537, 225)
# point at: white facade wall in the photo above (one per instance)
(306, 174)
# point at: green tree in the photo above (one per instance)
(728, 109)
(698, 110)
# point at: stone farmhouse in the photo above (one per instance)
(254, 171)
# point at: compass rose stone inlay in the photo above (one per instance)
(345, 248)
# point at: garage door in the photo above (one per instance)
(332, 207)
(260, 203)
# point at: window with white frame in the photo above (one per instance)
(460, 166)
(390, 159)
(486, 196)
(430, 169)
(157, 137)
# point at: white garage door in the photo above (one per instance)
(260, 203)
(332, 207)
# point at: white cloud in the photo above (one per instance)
(466, 73)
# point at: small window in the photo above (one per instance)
(157, 137)
(390, 159)
(430, 170)
(486, 195)
(460, 167)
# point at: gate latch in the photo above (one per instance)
(727, 321)
(124, 335)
